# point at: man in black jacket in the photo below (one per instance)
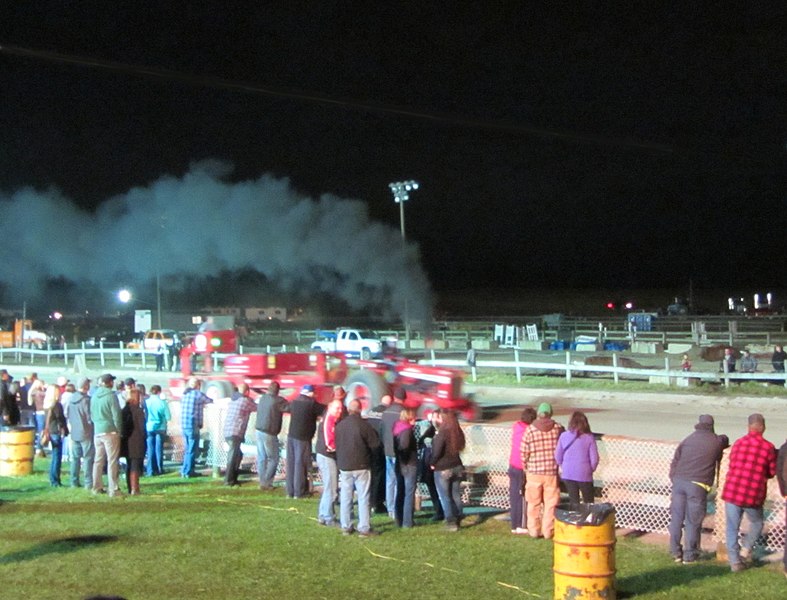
(304, 412)
(268, 426)
(355, 441)
(692, 472)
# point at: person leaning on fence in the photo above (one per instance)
(692, 472)
(541, 469)
(752, 463)
(235, 424)
(304, 412)
(270, 410)
(425, 473)
(781, 474)
(158, 416)
(748, 363)
(446, 462)
(577, 455)
(325, 454)
(191, 413)
(516, 473)
(778, 358)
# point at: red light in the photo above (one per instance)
(611, 305)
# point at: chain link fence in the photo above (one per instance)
(633, 474)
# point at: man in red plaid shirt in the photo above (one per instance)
(752, 463)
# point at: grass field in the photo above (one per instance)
(199, 539)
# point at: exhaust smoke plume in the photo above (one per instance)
(200, 226)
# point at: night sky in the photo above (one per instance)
(555, 146)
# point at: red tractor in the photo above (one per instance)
(427, 387)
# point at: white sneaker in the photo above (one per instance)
(519, 531)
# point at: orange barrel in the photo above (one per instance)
(584, 543)
(17, 448)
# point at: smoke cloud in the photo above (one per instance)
(199, 226)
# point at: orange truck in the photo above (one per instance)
(33, 338)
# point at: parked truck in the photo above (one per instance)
(32, 338)
(353, 343)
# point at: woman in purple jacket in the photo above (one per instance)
(577, 455)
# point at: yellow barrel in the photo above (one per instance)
(584, 563)
(17, 448)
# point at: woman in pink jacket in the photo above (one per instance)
(516, 473)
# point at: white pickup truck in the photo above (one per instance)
(357, 343)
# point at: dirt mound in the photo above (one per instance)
(606, 361)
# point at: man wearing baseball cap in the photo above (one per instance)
(752, 464)
(304, 411)
(107, 426)
(692, 472)
(541, 471)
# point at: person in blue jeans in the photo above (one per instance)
(191, 413)
(448, 468)
(270, 410)
(57, 425)
(406, 450)
(356, 439)
(158, 415)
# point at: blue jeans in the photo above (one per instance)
(299, 453)
(448, 489)
(688, 505)
(358, 481)
(390, 484)
(405, 494)
(330, 482)
(734, 515)
(57, 458)
(40, 423)
(267, 457)
(82, 450)
(516, 497)
(155, 453)
(191, 442)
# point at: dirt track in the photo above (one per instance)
(642, 415)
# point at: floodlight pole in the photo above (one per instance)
(401, 193)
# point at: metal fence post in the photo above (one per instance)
(568, 366)
(122, 355)
(101, 353)
(518, 368)
(65, 353)
(666, 369)
(615, 376)
(48, 352)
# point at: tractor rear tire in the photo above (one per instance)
(367, 384)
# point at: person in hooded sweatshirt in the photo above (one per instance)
(577, 455)
(692, 472)
(77, 405)
(107, 426)
(538, 461)
(516, 474)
